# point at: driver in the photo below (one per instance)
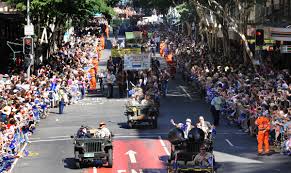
(83, 133)
(104, 131)
(204, 158)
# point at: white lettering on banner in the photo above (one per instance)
(137, 62)
(121, 171)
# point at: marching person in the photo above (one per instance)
(264, 126)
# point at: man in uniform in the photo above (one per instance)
(263, 124)
(104, 131)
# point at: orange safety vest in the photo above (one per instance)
(162, 46)
(102, 40)
(263, 123)
(169, 58)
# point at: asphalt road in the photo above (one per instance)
(51, 150)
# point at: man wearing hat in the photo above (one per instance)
(104, 131)
(6, 111)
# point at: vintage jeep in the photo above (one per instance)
(90, 149)
(142, 114)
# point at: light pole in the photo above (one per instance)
(28, 32)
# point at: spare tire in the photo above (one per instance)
(196, 135)
(176, 136)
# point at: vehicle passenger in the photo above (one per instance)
(204, 125)
(104, 131)
(185, 127)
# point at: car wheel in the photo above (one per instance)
(129, 124)
(78, 165)
(110, 158)
(155, 123)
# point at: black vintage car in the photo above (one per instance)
(89, 148)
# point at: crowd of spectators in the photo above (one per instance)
(238, 91)
(62, 80)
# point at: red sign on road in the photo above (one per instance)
(137, 156)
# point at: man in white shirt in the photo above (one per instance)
(104, 131)
(204, 125)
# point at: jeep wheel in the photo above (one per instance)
(78, 165)
(129, 124)
(110, 158)
(155, 123)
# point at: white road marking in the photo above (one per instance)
(225, 157)
(164, 146)
(184, 90)
(229, 143)
(50, 140)
(131, 154)
(16, 160)
(94, 170)
(133, 135)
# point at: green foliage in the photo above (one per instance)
(77, 10)
(161, 5)
(186, 11)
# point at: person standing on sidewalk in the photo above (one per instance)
(264, 126)
(110, 82)
(216, 105)
(63, 99)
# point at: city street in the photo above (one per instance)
(139, 150)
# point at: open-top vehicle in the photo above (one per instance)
(90, 149)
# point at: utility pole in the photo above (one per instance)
(28, 44)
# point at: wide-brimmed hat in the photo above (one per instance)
(102, 123)
(6, 110)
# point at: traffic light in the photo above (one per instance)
(27, 45)
(259, 37)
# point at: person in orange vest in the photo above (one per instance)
(264, 126)
(102, 41)
(162, 46)
(169, 58)
(107, 31)
(95, 63)
(92, 79)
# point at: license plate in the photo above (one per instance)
(88, 154)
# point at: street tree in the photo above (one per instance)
(62, 14)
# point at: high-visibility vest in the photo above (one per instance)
(263, 123)
(169, 58)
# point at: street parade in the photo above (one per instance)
(145, 86)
